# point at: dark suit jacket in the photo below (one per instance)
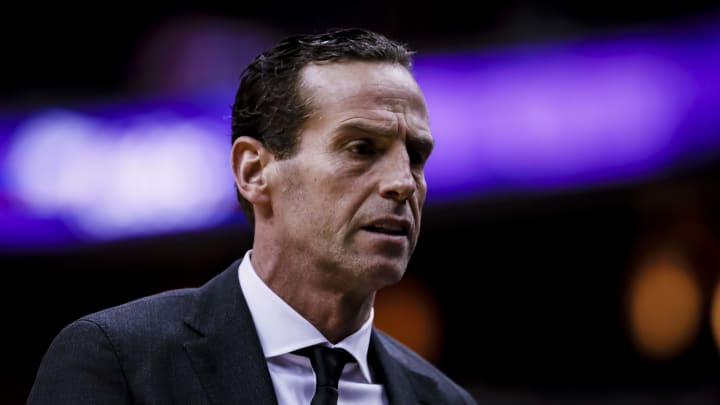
(198, 346)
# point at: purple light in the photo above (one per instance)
(155, 174)
(539, 117)
(562, 115)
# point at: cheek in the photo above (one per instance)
(421, 192)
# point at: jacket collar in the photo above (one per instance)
(228, 358)
(226, 353)
(404, 385)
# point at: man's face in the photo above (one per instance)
(349, 201)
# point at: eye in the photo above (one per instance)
(418, 150)
(362, 147)
(417, 157)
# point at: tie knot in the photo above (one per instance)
(327, 362)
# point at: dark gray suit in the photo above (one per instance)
(198, 346)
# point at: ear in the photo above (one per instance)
(249, 159)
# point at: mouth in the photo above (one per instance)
(390, 227)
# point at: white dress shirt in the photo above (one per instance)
(282, 330)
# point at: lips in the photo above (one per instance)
(389, 226)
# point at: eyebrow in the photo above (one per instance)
(424, 144)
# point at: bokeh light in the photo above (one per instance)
(715, 315)
(664, 305)
(409, 312)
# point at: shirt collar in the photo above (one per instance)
(283, 330)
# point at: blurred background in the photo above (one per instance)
(570, 250)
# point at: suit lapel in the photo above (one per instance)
(402, 384)
(226, 353)
(227, 356)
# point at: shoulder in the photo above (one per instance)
(167, 314)
(132, 344)
(155, 316)
(99, 354)
(162, 307)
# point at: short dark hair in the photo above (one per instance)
(268, 105)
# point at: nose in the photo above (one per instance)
(398, 182)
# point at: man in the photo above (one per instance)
(330, 139)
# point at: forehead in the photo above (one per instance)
(374, 87)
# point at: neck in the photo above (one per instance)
(335, 309)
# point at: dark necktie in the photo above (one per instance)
(328, 364)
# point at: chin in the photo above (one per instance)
(387, 272)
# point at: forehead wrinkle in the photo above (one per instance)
(381, 127)
(399, 103)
